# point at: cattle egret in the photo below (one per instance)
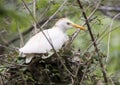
(56, 35)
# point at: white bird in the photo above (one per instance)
(56, 35)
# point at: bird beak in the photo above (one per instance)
(78, 26)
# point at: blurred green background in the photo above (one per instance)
(15, 17)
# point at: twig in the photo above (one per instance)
(51, 43)
(112, 82)
(12, 64)
(108, 33)
(94, 43)
(101, 36)
(110, 8)
(98, 39)
(107, 10)
(60, 8)
(26, 32)
(1, 80)
(108, 49)
(34, 15)
(21, 37)
(75, 34)
(87, 23)
(86, 68)
(45, 11)
(2, 75)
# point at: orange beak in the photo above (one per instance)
(78, 26)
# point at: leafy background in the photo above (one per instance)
(15, 18)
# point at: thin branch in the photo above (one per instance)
(59, 9)
(1, 80)
(86, 68)
(98, 39)
(11, 64)
(21, 37)
(109, 35)
(25, 32)
(94, 43)
(28, 10)
(2, 75)
(110, 8)
(109, 14)
(75, 34)
(34, 15)
(102, 37)
(45, 11)
(88, 25)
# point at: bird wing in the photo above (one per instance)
(39, 44)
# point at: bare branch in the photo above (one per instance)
(21, 37)
(109, 35)
(94, 43)
(75, 34)
(34, 15)
(108, 11)
(109, 8)
(26, 32)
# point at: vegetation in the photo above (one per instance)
(88, 58)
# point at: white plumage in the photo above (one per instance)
(39, 43)
(56, 35)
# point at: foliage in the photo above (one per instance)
(81, 60)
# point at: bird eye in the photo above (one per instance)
(68, 23)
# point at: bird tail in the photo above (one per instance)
(29, 58)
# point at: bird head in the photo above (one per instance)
(65, 24)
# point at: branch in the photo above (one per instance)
(94, 43)
(108, 11)
(110, 8)
(88, 25)
(109, 36)
(25, 32)
(34, 15)
(74, 35)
